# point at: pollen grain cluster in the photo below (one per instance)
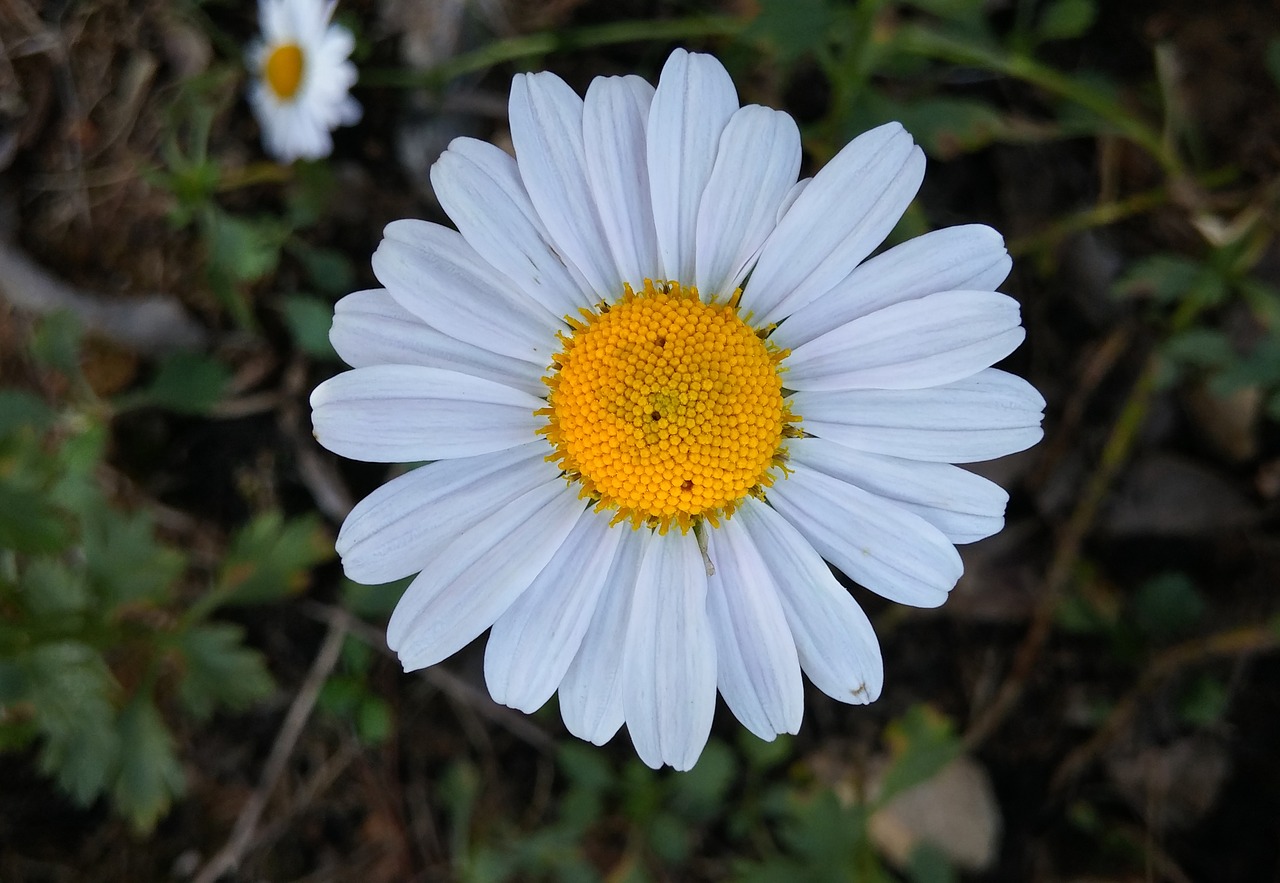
(666, 409)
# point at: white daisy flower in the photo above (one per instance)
(661, 383)
(302, 77)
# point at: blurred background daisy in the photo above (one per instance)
(302, 78)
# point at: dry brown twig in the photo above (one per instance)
(228, 858)
(1066, 555)
(1235, 642)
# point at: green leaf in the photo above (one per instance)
(1273, 60)
(311, 195)
(373, 602)
(125, 563)
(328, 269)
(923, 743)
(188, 383)
(50, 587)
(790, 27)
(1259, 367)
(374, 721)
(69, 688)
(1067, 19)
(1171, 279)
(242, 250)
(219, 671)
(1202, 348)
(959, 11)
(309, 320)
(20, 410)
(699, 793)
(1205, 702)
(762, 755)
(150, 775)
(28, 524)
(586, 766)
(270, 558)
(947, 127)
(928, 864)
(1168, 605)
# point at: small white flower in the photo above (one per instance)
(661, 382)
(302, 77)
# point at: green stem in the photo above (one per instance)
(922, 41)
(533, 45)
(1109, 213)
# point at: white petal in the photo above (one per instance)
(883, 547)
(758, 670)
(988, 415)
(694, 101)
(546, 128)
(401, 527)
(967, 258)
(839, 219)
(591, 691)
(370, 328)
(837, 647)
(533, 643)
(669, 663)
(964, 506)
(405, 413)
(478, 185)
(755, 168)
(929, 341)
(615, 113)
(480, 574)
(433, 273)
(790, 199)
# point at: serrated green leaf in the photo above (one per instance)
(241, 249)
(219, 671)
(309, 320)
(150, 775)
(1067, 19)
(69, 687)
(270, 558)
(125, 563)
(923, 743)
(188, 383)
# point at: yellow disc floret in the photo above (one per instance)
(667, 409)
(283, 70)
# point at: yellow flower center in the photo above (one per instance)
(283, 70)
(667, 409)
